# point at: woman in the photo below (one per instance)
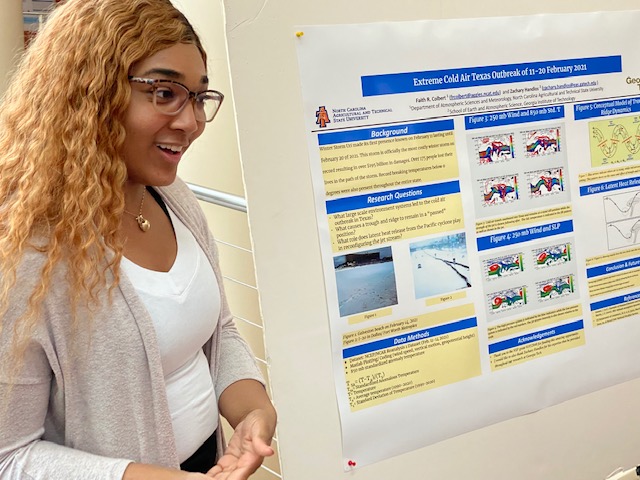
(116, 344)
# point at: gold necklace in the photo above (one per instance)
(143, 223)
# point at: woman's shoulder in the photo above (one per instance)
(30, 267)
(27, 280)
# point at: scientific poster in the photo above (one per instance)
(477, 187)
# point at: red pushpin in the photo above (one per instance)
(351, 463)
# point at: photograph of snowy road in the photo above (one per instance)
(440, 265)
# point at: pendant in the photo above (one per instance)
(143, 223)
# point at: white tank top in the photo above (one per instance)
(184, 304)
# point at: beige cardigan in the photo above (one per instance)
(86, 410)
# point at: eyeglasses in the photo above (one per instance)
(170, 97)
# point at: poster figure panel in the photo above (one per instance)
(365, 281)
(440, 265)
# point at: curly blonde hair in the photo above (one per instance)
(61, 134)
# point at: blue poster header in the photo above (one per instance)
(536, 336)
(378, 199)
(409, 337)
(613, 267)
(609, 186)
(389, 84)
(330, 138)
(523, 235)
(513, 116)
(610, 302)
(605, 108)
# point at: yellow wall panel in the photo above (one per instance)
(237, 263)
(273, 462)
(243, 301)
(265, 374)
(228, 225)
(263, 474)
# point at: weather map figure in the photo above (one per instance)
(615, 141)
(500, 190)
(545, 182)
(556, 287)
(495, 148)
(503, 266)
(542, 142)
(508, 299)
(553, 255)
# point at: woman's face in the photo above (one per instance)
(155, 142)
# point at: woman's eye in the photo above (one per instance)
(164, 94)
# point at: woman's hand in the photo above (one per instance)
(247, 447)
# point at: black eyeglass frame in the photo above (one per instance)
(190, 95)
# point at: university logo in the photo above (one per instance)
(322, 117)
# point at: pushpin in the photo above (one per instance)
(351, 463)
(299, 34)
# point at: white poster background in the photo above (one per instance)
(333, 60)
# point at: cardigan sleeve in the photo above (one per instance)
(235, 359)
(26, 457)
(24, 401)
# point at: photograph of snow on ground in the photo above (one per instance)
(365, 280)
(440, 265)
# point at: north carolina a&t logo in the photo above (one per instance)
(322, 117)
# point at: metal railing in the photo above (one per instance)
(219, 198)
